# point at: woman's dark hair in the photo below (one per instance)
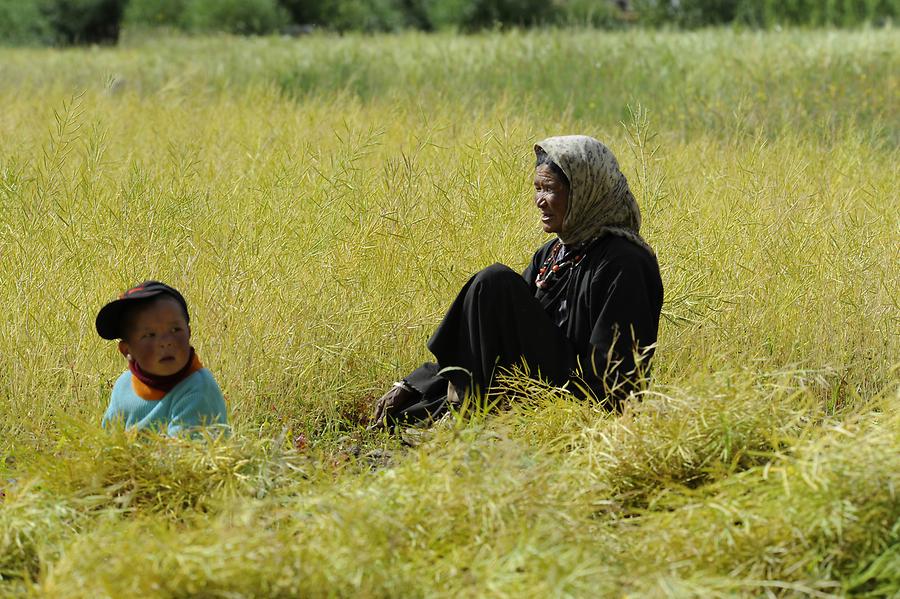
(543, 158)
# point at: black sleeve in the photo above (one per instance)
(625, 302)
(531, 271)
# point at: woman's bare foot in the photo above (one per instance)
(453, 398)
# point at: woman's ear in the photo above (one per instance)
(124, 350)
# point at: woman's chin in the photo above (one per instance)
(548, 227)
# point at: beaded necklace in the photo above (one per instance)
(553, 268)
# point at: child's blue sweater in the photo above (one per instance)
(195, 401)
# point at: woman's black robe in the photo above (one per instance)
(584, 328)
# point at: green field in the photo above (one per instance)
(320, 201)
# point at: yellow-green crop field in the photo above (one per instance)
(320, 201)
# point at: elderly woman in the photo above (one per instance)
(584, 314)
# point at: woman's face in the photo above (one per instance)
(551, 196)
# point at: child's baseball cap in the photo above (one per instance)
(109, 319)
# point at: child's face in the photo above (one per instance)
(158, 337)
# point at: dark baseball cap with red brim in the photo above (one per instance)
(109, 319)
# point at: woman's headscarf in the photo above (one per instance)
(600, 202)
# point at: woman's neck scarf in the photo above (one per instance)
(600, 202)
(153, 387)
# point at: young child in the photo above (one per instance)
(165, 387)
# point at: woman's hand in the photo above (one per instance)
(391, 403)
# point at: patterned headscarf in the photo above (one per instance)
(600, 202)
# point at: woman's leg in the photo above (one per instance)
(495, 321)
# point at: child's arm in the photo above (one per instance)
(107, 416)
(114, 412)
(201, 405)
